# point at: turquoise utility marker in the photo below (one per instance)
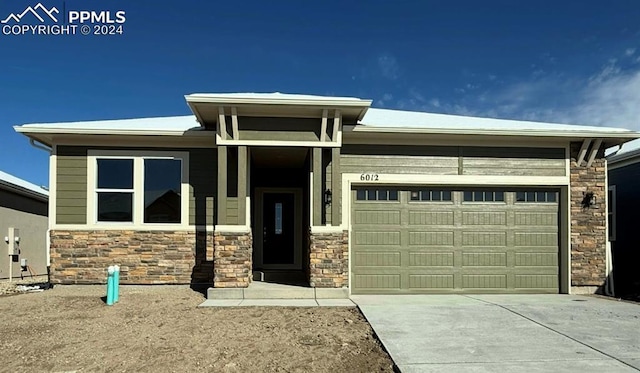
(110, 285)
(116, 281)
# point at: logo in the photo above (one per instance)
(41, 20)
(39, 7)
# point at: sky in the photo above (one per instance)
(575, 62)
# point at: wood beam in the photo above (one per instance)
(323, 127)
(234, 123)
(583, 151)
(222, 123)
(594, 152)
(337, 120)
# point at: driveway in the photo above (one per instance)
(506, 333)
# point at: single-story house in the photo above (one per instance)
(624, 184)
(344, 195)
(23, 206)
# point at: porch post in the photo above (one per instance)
(221, 214)
(336, 190)
(242, 185)
(318, 190)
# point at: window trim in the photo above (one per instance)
(431, 189)
(483, 190)
(138, 157)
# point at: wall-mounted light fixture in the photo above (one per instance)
(327, 197)
(588, 200)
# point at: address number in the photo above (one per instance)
(369, 177)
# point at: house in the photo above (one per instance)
(624, 183)
(331, 190)
(23, 206)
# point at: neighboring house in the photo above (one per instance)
(624, 204)
(329, 189)
(23, 206)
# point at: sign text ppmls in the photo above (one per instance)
(55, 19)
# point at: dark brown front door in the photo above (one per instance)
(278, 236)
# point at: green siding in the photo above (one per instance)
(71, 198)
(71, 185)
(232, 210)
(453, 160)
(454, 247)
(279, 129)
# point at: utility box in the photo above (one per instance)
(13, 241)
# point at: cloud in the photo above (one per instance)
(629, 52)
(388, 66)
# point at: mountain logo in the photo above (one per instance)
(36, 12)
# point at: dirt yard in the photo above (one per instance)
(159, 329)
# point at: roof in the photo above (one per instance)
(156, 126)
(373, 120)
(625, 151)
(15, 184)
(395, 120)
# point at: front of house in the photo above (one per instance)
(331, 193)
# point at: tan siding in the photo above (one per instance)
(514, 161)
(71, 186)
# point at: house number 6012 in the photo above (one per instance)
(369, 177)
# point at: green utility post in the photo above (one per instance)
(110, 285)
(116, 281)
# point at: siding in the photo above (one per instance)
(71, 184)
(232, 210)
(71, 199)
(453, 160)
(279, 129)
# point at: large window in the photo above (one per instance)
(141, 188)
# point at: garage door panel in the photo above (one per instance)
(536, 281)
(377, 281)
(484, 218)
(377, 238)
(484, 259)
(536, 239)
(431, 281)
(377, 259)
(431, 238)
(376, 217)
(484, 281)
(484, 238)
(547, 219)
(444, 218)
(431, 259)
(536, 259)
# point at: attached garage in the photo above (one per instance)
(454, 240)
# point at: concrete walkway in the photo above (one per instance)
(506, 333)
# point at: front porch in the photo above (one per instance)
(274, 294)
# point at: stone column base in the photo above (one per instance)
(232, 260)
(329, 260)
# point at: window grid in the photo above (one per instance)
(536, 197)
(431, 195)
(483, 196)
(380, 194)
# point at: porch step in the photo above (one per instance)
(263, 290)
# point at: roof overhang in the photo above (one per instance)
(17, 189)
(206, 107)
(609, 138)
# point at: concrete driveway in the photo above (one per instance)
(506, 333)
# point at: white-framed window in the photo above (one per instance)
(611, 212)
(137, 188)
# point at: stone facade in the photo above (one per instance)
(232, 266)
(329, 260)
(588, 224)
(145, 257)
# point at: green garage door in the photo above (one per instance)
(454, 240)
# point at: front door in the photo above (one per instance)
(278, 239)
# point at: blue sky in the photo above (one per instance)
(560, 61)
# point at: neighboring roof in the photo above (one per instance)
(15, 184)
(154, 126)
(397, 120)
(625, 151)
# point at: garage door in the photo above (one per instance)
(454, 240)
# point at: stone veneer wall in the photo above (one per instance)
(232, 266)
(329, 260)
(588, 225)
(145, 257)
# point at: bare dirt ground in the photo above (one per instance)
(159, 329)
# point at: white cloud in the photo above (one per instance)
(388, 66)
(629, 51)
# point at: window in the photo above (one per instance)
(483, 196)
(377, 194)
(114, 190)
(434, 195)
(611, 212)
(537, 196)
(137, 187)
